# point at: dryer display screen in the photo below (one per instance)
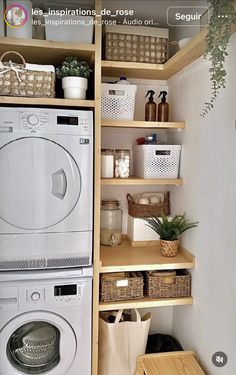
(67, 120)
(65, 290)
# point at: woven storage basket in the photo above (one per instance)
(148, 210)
(163, 287)
(130, 287)
(136, 44)
(16, 80)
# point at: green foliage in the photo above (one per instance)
(170, 230)
(217, 40)
(73, 67)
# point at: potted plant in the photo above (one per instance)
(74, 74)
(169, 231)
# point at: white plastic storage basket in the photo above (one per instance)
(157, 161)
(118, 101)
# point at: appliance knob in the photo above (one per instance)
(33, 120)
(35, 296)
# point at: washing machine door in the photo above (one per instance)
(37, 343)
(40, 183)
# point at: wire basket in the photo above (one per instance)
(17, 80)
(159, 285)
(118, 101)
(148, 210)
(156, 161)
(127, 286)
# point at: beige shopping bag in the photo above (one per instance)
(120, 343)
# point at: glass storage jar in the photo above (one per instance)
(107, 163)
(122, 161)
(111, 223)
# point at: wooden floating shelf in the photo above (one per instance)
(142, 124)
(132, 70)
(141, 181)
(125, 257)
(145, 303)
(176, 63)
(45, 51)
(46, 101)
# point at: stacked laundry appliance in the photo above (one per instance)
(46, 223)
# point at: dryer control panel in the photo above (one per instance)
(36, 121)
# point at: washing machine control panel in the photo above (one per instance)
(52, 295)
(33, 122)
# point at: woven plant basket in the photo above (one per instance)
(148, 210)
(16, 80)
(159, 286)
(169, 248)
(131, 287)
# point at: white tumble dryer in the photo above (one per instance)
(45, 322)
(46, 188)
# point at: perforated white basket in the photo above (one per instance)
(118, 101)
(157, 161)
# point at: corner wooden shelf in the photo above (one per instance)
(140, 181)
(46, 101)
(176, 63)
(143, 124)
(145, 303)
(45, 51)
(125, 257)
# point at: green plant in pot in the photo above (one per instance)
(169, 231)
(74, 74)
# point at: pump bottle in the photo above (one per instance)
(150, 107)
(163, 108)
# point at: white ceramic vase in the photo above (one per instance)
(74, 87)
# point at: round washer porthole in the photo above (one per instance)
(37, 342)
(34, 347)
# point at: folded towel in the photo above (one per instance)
(40, 68)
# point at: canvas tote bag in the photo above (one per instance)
(120, 343)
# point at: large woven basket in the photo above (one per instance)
(16, 80)
(149, 210)
(114, 289)
(178, 285)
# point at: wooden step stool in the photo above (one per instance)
(171, 363)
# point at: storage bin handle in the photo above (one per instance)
(13, 53)
(129, 198)
(170, 279)
(162, 152)
(120, 312)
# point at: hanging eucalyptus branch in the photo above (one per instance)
(217, 40)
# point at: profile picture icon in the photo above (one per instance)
(16, 16)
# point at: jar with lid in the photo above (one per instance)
(107, 163)
(122, 161)
(111, 223)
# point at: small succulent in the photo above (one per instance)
(73, 67)
(170, 230)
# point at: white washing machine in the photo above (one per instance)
(45, 322)
(46, 189)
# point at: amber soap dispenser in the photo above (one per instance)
(163, 108)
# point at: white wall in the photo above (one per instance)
(208, 195)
